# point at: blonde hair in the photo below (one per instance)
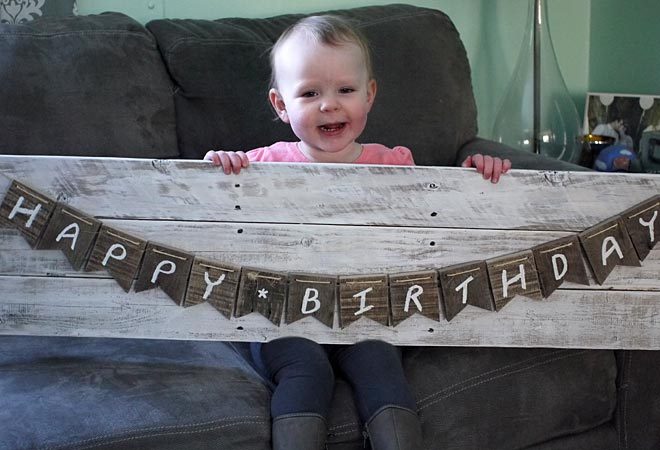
(328, 30)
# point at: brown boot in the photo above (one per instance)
(299, 432)
(395, 428)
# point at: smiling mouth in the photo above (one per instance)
(330, 127)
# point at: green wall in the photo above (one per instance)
(625, 47)
(597, 42)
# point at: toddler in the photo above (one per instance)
(323, 87)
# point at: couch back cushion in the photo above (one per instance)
(221, 71)
(85, 86)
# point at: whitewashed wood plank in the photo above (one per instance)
(336, 250)
(568, 319)
(329, 193)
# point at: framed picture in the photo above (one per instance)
(629, 120)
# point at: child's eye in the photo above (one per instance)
(346, 90)
(309, 94)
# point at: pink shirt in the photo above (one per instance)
(371, 154)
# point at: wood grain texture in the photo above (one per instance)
(335, 220)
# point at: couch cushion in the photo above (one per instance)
(87, 85)
(139, 394)
(222, 73)
(500, 398)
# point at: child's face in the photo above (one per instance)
(325, 94)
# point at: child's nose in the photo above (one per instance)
(329, 103)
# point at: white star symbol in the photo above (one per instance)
(262, 293)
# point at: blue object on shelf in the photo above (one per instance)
(615, 158)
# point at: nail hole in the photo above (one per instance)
(432, 243)
(237, 207)
(240, 230)
(433, 214)
(237, 185)
(430, 330)
(239, 328)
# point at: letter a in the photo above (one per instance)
(606, 252)
(311, 296)
(74, 236)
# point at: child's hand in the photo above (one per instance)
(229, 161)
(491, 168)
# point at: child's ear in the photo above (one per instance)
(278, 105)
(372, 87)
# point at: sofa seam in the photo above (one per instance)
(164, 430)
(80, 33)
(448, 393)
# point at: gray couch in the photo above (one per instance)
(107, 86)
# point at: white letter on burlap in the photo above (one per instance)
(211, 284)
(650, 225)
(606, 252)
(464, 287)
(110, 254)
(413, 293)
(29, 212)
(159, 269)
(363, 301)
(73, 237)
(559, 275)
(311, 296)
(506, 282)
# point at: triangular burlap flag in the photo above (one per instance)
(414, 293)
(643, 225)
(607, 245)
(512, 275)
(263, 292)
(558, 261)
(28, 210)
(72, 232)
(119, 254)
(166, 268)
(311, 295)
(465, 284)
(215, 283)
(363, 296)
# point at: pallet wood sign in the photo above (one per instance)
(336, 253)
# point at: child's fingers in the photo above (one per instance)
(212, 156)
(488, 167)
(235, 162)
(497, 170)
(244, 159)
(467, 162)
(478, 162)
(225, 162)
(506, 165)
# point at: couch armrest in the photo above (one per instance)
(519, 159)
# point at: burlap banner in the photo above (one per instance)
(624, 239)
